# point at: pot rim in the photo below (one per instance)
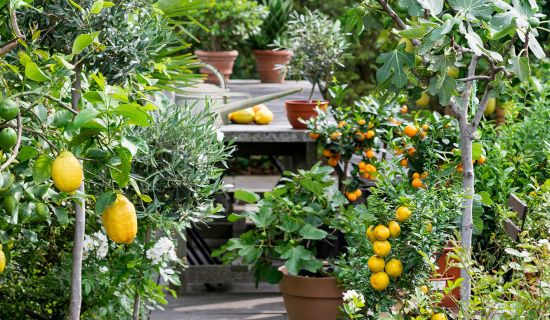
(312, 102)
(272, 52)
(229, 53)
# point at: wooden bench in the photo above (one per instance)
(520, 208)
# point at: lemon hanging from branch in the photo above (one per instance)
(67, 172)
(120, 220)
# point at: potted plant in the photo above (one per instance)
(319, 45)
(225, 25)
(292, 224)
(270, 63)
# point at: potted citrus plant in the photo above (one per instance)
(291, 225)
(270, 63)
(223, 27)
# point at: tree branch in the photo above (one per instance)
(17, 144)
(482, 106)
(466, 93)
(54, 99)
(13, 43)
(472, 78)
(396, 19)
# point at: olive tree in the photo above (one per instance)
(463, 52)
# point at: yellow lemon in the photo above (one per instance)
(244, 116)
(394, 268)
(402, 214)
(395, 229)
(120, 220)
(381, 233)
(381, 248)
(258, 107)
(263, 116)
(2, 261)
(376, 264)
(379, 281)
(370, 234)
(439, 316)
(424, 100)
(66, 172)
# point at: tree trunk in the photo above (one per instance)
(80, 222)
(466, 138)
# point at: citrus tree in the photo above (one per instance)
(461, 51)
(76, 78)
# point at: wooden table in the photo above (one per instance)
(277, 138)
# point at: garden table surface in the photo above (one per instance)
(277, 138)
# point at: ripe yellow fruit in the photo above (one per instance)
(67, 172)
(376, 264)
(429, 227)
(379, 281)
(381, 233)
(369, 153)
(244, 116)
(482, 159)
(3, 261)
(395, 229)
(394, 268)
(411, 131)
(370, 234)
(263, 116)
(402, 214)
(120, 220)
(452, 72)
(491, 106)
(258, 107)
(424, 289)
(381, 248)
(418, 184)
(370, 134)
(408, 44)
(439, 316)
(424, 100)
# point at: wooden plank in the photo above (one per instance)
(511, 229)
(517, 206)
(251, 183)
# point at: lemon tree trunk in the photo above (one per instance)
(80, 220)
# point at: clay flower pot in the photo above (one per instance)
(221, 60)
(451, 273)
(267, 62)
(302, 109)
(308, 298)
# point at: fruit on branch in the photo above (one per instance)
(411, 131)
(8, 139)
(439, 316)
(381, 233)
(67, 172)
(402, 214)
(491, 106)
(395, 229)
(376, 264)
(120, 220)
(8, 109)
(394, 268)
(408, 44)
(381, 248)
(2, 260)
(452, 72)
(379, 281)
(423, 101)
(370, 234)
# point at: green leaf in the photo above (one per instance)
(133, 112)
(393, 66)
(123, 165)
(295, 258)
(134, 144)
(485, 198)
(434, 6)
(416, 32)
(61, 214)
(444, 87)
(312, 233)
(83, 41)
(104, 201)
(33, 72)
(84, 116)
(477, 217)
(263, 218)
(472, 9)
(27, 153)
(288, 224)
(96, 7)
(412, 7)
(520, 66)
(42, 169)
(477, 150)
(246, 196)
(119, 94)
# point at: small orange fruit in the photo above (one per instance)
(394, 268)
(369, 134)
(333, 162)
(439, 316)
(370, 234)
(411, 151)
(341, 124)
(381, 248)
(351, 197)
(358, 193)
(404, 162)
(417, 183)
(335, 135)
(402, 214)
(429, 226)
(360, 136)
(395, 229)
(459, 168)
(424, 174)
(376, 264)
(314, 135)
(423, 134)
(369, 154)
(424, 289)
(404, 109)
(381, 232)
(481, 159)
(379, 281)
(416, 175)
(398, 151)
(370, 168)
(327, 153)
(361, 122)
(425, 127)
(411, 131)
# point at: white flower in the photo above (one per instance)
(103, 269)
(162, 250)
(220, 136)
(98, 242)
(352, 295)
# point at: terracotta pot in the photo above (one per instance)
(221, 60)
(308, 298)
(451, 273)
(267, 62)
(302, 109)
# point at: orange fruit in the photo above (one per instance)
(395, 229)
(358, 193)
(429, 226)
(335, 135)
(398, 151)
(379, 281)
(370, 168)
(361, 165)
(404, 109)
(333, 162)
(351, 197)
(416, 175)
(376, 264)
(394, 268)
(361, 122)
(425, 127)
(423, 134)
(341, 124)
(424, 289)
(424, 174)
(370, 234)
(411, 151)
(459, 168)
(369, 134)
(359, 136)
(404, 162)
(411, 131)
(381, 233)
(327, 153)
(369, 154)
(417, 183)
(439, 316)
(381, 248)
(481, 159)
(314, 135)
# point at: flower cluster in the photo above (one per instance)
(353, 303)
(97, 242)
(162, 250)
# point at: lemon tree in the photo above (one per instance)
(71, 95)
